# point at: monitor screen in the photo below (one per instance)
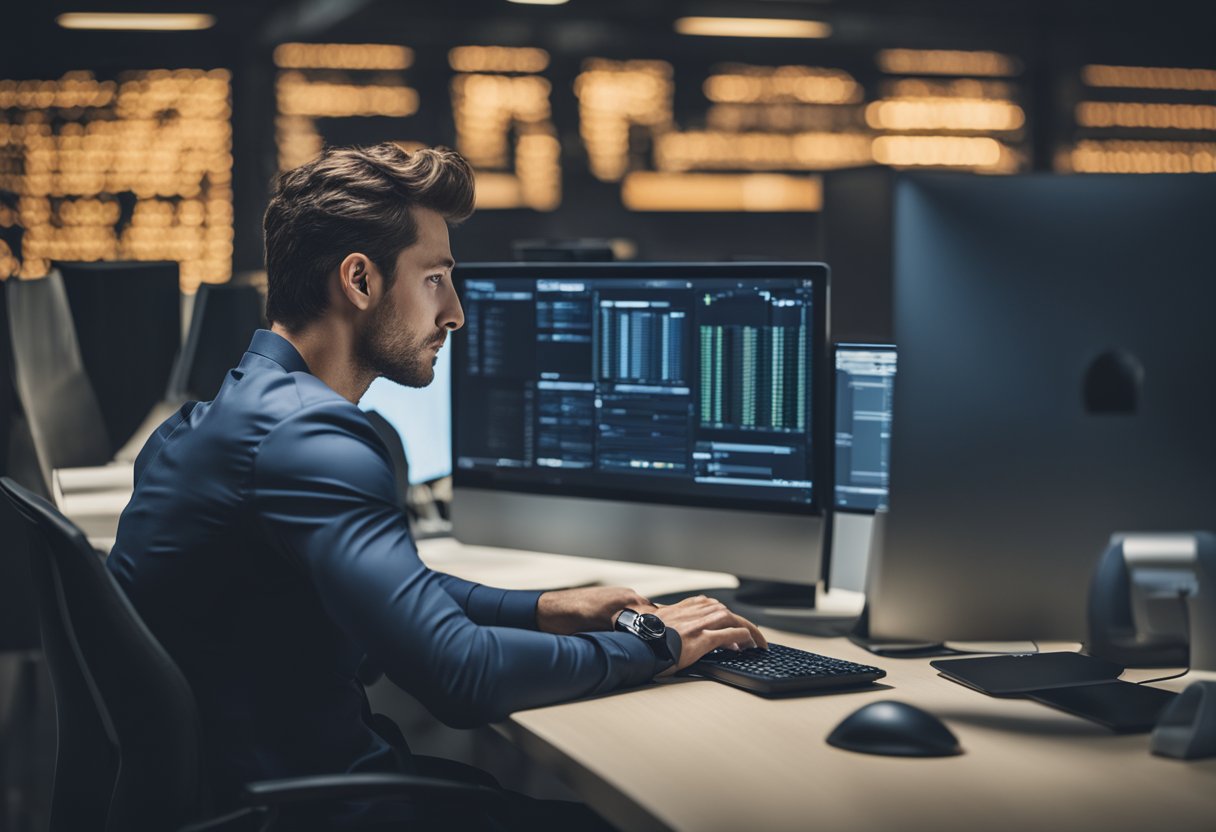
(685, 384)
(865, 380)
(423, 418)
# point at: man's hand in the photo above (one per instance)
(705, 624)
(567, 611)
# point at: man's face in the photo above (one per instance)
(403, 335)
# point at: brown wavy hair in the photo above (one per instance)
(352, 199)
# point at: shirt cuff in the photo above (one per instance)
(634, 661)
(504, 607)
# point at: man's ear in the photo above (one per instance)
(359, 280)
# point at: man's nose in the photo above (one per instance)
(453, 315)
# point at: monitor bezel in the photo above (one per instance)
(821, 463)
(854, 345)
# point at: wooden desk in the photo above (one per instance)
(698, 755)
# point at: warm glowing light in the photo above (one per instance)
(946, 62)
(947, 88)
(612, 96)
(484, 108)
(782, 118)
(299, 97)
(497, 59)
(342, 56)
(163, 136)
(938, 151)
(1139, 157)
(297, 140)
(768, 85)
(944, 114)
(498, 190)
(646, 191)
(709, 150)
(1149, 77)
(1135, 114)
(539, 2)
(752, 27)
(153, 22)
(487, 109)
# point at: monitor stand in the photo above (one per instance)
(860, 635)
(781, 606)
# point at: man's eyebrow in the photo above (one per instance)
(446, 263)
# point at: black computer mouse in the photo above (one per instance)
(895, 729)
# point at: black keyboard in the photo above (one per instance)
(781, 669)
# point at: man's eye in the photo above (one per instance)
(436, 279)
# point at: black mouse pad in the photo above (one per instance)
(1013, 675)
(1120, 706)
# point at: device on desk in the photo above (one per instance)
(664, 413)
(1145, 605)
(865, 388)
(1056, 335)
(865, 376)
(782, 670)
(1082, 685)
(894, 729)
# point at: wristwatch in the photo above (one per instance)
(649, 628)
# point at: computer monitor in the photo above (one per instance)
(865, 383)
(422, 416)
(649, 412)
(1057, 340)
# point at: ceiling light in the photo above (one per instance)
(148, 22)
(752, 27)
(539, 2)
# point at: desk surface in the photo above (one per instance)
(698, 755)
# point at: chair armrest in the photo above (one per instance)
(366, 787)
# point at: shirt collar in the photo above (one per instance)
(279, 350)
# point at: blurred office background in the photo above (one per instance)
(136, 154)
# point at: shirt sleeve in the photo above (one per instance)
(490, 605)
(323, 493)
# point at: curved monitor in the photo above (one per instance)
(668, 413)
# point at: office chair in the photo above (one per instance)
(223, 319)
(60, 406)
(130, 748)
(24, 766)
(222, 322)
(128, 322)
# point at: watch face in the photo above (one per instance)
(651, 624)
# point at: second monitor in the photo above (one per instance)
(865, 388)
(662, 413)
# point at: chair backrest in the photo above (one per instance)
(59, 403)
(18, 615)
(129, 739)
(222, 322)
(128, 321)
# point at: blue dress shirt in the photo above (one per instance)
(264, 549)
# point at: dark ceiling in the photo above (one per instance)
(1170, 31)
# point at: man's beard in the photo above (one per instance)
(388, 350)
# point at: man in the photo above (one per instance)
(263, 545)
